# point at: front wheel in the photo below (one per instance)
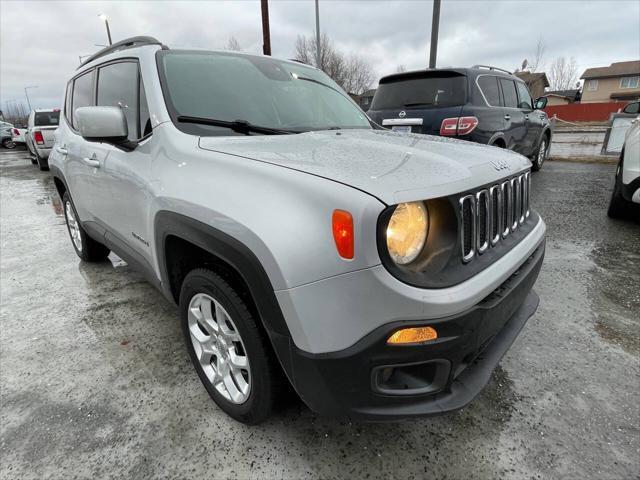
(541, 155)
(618, 206)
(229, 351)
(86, 247)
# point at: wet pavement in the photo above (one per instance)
(95, 380)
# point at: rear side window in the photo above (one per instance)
(632, 108)
(118, 87)
(525, 97)
(46, 119)
(509, 93)
(421, 92)
(82, 94)
(489, 86)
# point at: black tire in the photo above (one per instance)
(91, 250)
(541, 154)
(8, 144)
(618, 207)
(34, 161)
(43, 163)
(266, 375)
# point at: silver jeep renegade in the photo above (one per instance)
(382, 275)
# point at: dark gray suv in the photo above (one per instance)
(480, 104)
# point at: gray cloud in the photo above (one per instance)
(41, 41)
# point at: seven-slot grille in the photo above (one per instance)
(492, 214)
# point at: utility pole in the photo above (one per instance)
(435, 25)
(27, 95)
(266, 35)
(104, 18)
(318, 35)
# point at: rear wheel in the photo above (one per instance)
(541, 155)
(8, 143)
(229, 351)
(618, 206)
(43, 163)
(86, 247)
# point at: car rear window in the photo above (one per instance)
(46, 119)
(424, 91)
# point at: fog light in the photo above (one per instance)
(413, 335)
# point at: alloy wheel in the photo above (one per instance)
(74, 226)
(542, 153)
(219, 348)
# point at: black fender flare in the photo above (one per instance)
(495, 137)
(238, 256)
(56, 173)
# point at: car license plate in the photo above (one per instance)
(401, 128)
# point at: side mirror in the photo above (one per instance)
(541, 102)
(102, 124)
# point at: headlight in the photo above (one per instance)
(407, 232)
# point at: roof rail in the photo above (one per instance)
(493, 68)
(123, 45)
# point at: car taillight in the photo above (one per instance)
(38, 137)
(458, 126)
(16, 132)
(449, 126)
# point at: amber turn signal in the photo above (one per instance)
(413, 335)
(343, 233)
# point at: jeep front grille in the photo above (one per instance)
(492, 214)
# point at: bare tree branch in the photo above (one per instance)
(352, 72)
(563, 73)
(233, 45)
(538, 63)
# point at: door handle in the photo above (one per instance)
(507, 117)
(63, 150)
(92, 162)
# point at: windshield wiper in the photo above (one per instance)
(240, 126)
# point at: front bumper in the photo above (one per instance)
(451, 370)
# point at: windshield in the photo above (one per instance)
(422, 92)
(46, 119)
(261, 91)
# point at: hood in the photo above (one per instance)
(390, 166)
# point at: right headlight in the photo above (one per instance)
(407, 232)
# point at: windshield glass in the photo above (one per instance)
(422, 92)
(262, 91)
(46, 119)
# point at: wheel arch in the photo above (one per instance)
(498, 140)
(58, 180)
(183, 243)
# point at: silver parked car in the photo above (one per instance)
(382, 275)
(41, 126)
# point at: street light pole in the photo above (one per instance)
(27, 95)
(106, 23)
(266, 34)
(435, 26)
(318, 35)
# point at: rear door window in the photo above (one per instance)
(118, 87)
(82, 94)
(46, 119)
(509, 93)
(489, 86)
(421, 92)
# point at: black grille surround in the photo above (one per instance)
(463, 237)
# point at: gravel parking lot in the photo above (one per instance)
(95, 381)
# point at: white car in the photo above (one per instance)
(41, 126)
(18, 135)
(626, 190)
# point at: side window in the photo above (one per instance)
(82, 94)
(145, 119)
(509, 93)
(632, 108)
(118, 87)
(525, 97)
(489, 86)
(592, 85)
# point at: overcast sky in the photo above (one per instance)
(41, 41)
